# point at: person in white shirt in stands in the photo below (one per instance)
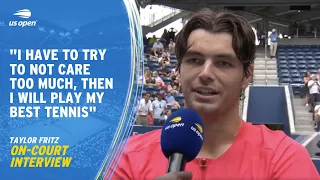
(172, 46)
(158, 107)
(313, 86)
(143, 110)
(316, 116)
(158, 46)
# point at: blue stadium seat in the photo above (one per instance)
(313, 71)
(295, 75)
(284, 71)
(302, 66)
(297, 80)
(299, 57)
(311, 66)
(178, 97)
(292, 66)
(317, 57)
(292, 71)
(308, 57)
(282, 62)
(290, 57)
(311, 61)
(282, 66)
(166, 79)
(292, 62)
(302, 62)
(309, 53)
(284, 75)
(285, 80)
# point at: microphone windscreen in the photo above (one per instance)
(182, 133)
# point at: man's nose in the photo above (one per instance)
(206, 73)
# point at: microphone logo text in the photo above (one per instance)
(172, 126)
(197, 132)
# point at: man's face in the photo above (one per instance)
(211, 75)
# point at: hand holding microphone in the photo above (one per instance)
(176, 176)
(181, 141)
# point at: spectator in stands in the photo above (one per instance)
(163, 70)
(273, 43)
(165, 36)
(143, 110)
(171, 101)
(153, 39)
(158, 46)
(316, 116)
(158, 79)
(215, 53)
(164, 59)
(318, 75)
(306, 79)
(172, 33)
(314, 94)
(167, 113)
(148, 78)
(172, 46)
(173, 88)
(154, 55)
(158, 107)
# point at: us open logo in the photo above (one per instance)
(23, 14)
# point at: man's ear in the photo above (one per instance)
(247, 77)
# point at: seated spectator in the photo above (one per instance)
(164, 59)
(148, 79)
(154, 55)
(171, 101)
(158, 79)
(163, 70)
(173, 89)
(158, 46)
(172, 46)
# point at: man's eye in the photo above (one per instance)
(193, 60)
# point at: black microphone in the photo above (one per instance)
(181, 138)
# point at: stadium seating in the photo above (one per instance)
(294, 60)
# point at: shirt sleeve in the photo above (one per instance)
(292, 161)
(123, 170)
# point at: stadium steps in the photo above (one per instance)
(265, 72)
(303, 124)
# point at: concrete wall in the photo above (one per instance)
(300, 41)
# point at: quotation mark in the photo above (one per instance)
(13, 51)
(92, 108)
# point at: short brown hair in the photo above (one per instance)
(243, 37)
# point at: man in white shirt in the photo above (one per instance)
(316, 116)
(143, 110)
(313, 86)
(158, 107)
(158, 46)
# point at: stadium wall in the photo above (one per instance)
(300, 41)
(268, 105)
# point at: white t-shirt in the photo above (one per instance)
(144, 107)
(314, 89)
(158, 79)
(316, 108)
(158, 45)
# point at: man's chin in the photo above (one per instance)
(205, 109)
